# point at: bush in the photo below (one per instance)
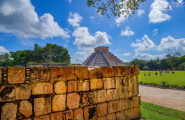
(164, 84)
(155, 84)
(183, 86)
(140, 82)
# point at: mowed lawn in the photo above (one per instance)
(177, 78)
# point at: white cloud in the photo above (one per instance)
(79, 57)
(19, 17)
(65, 45)
(70, 1)
(126, 54)
(157, 9)
(140, 12)
(146, 56)
(146, 45)
(74, 19)
(3, 50)
(172, 45)
(155, 31)
(127, 32)
(121, 19)
(92, 17)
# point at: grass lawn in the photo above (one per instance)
(177, 78)
(155, 112)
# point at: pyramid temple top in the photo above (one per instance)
(101, 48)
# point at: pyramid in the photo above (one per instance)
(102, 57)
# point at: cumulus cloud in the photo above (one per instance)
(172, 45)
(19, 17)
(3, 50)
(79, 57)
(126, 54)
(121, 19)
(140, 12)
(155, 31)
(157, 9)
(146, 56)
(146, 45)
(127, 32)
(74, 19)
(92, 17)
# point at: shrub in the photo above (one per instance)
(183, 86)
(155, 84)
(140, 82)
(164, 84)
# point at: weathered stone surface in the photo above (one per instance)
(42, 106)
(137, 112)
(123, 105)
(122, 93)
(0, 75)
(39, 73)
(112, 95)
(109, 83)
(90, 112)
(68, 115)
(136, 70)
(57, 116)
(95, 73)
(136, 101)
(96, 84)
(81, 72)
(130, 87)
(119, 71)
(121, 82)
(7, 93)
(23, 91)
(72, 86)
(16, 75)
(102, 109)
(129, 70)
(129, 103)
(73, 100)
(46, 117)
(27, 119)
(114, 106)
(107, 72)
(42, 88)
(135, 85)
(78, 114)
(9, 111)
(59, 103)
(25, 108)
(111, 116)
(121, 116)
(102, 96)
(60, 87)
(130, 113)
(62, 73)
(83, 85)
(102, 118)
(89, 98)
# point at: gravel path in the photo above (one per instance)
(174, 99)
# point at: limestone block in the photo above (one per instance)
(7, 93)
(72, 86)
(90, 112)
(119, 71)
(42, 106)
(23, 91)
(83, 85)
(78, 114)
(136, 101)
(81, 72)
(62, 73)
(57, 116)
(95, 73)
(16, 75)
(109, 83)
(112, 94)
(59, 103)
(111, 116)
(121, 82)
(42, 88)
(96, 84)
(25, 108)
(107, 72)
(130, 113)
(121, 116)
(102, 118)
(122, 93)
(46, 117)
(102, 96)
(60, 87)
(73, 100)
(114, 106)
(9, 111)
(123, 104)
(129, 70)
(136, 70)
(68, 115)
(130, 87)
(129, 103)
(89, 98)
(27, 119)
(102, 109)
(135, 85)
(39, 73)
(0, 76)
(137, 112)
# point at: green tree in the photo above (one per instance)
(173, 60)
(146, 68)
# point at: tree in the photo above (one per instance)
(146, 68)
(173, 60)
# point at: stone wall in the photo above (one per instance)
(69, 93)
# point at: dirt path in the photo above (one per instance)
(174, 99)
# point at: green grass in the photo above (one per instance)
(177, 78)
(154, 112)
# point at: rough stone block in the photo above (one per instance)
(136, 101)
(102, 109)
(121, 116)
(46, 117)
(135, 85)
(111, 116)
(42, 88)
(83, 85)
(73, 100)
(96, 84)
(129, 70)
(39, 73)
(123, 105)
(72, 86)
(95, 73)
(25, 108)
(130, 87)
(89, 98)
(68, 115)
(0, 75)
(109, 83)
(90, 112)
(102, 118)
(107, 72)
(102, 96)
(112, 94)
(8, 111)
(60, 87)
(16, 75)
(119, 70)
(137, 112)
(42, 106)
(23, 91)
(114, 106)
(62, 73)
(136, 70)
(57, 116)
(129, 103)
(130, 113)
(78, 114)
(81, 72)
(121, 82)
(27, 119)
(59, 103)
(7, 93)
(122, 93)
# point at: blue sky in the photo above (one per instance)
(150, 33)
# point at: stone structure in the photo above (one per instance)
(102, 57)
(69, 93)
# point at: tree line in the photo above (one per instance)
(51, 53)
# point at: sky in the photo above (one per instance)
(150, 33)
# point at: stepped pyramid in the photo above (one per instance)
(102, 57)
